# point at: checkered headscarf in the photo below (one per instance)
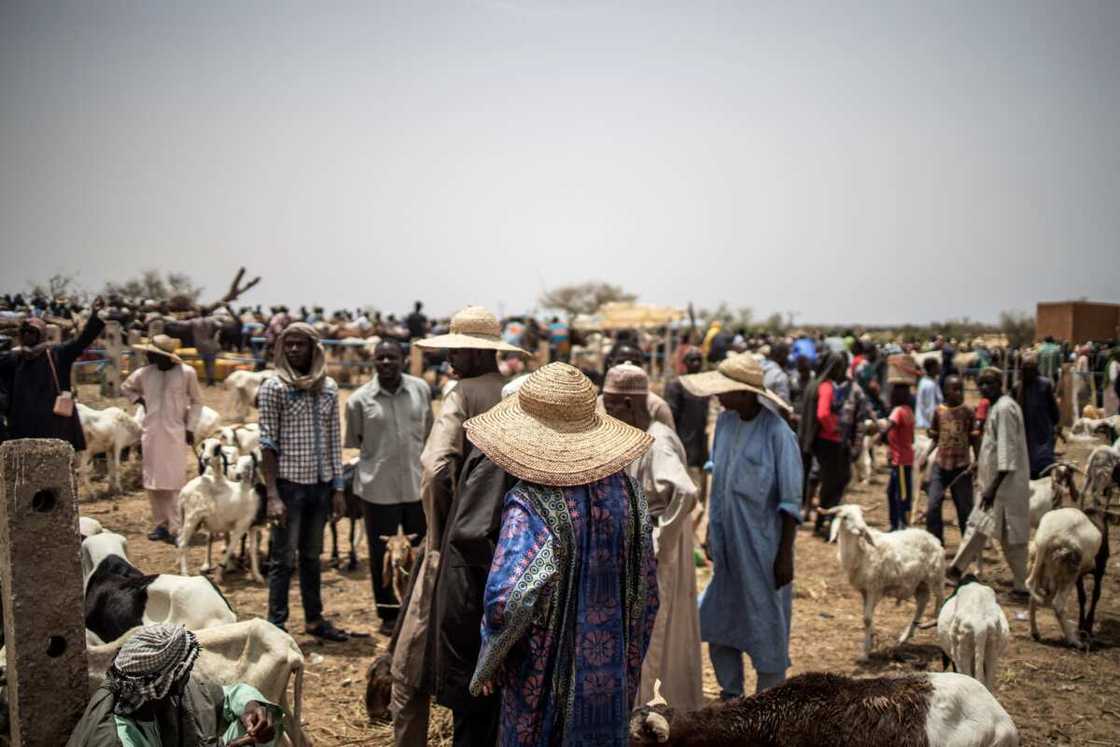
(149, 664)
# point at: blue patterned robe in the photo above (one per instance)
(569, 607)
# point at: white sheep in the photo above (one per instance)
(244, 386)
(1066, 547)
(906, 564)
(245, 438)
(88, 527)
(223, 506)
(108, 432)
(973, 631)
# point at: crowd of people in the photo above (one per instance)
(556, 513)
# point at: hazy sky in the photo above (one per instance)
(875, 162)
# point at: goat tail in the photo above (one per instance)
(979, 656)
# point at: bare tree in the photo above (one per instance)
(58, 284)
(583, 298)
(1018, 327)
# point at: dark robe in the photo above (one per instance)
(32, 389)
(690, 414)
(1040, 417)
(193, 719)
(473, 524)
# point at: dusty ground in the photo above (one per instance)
(1056, 695)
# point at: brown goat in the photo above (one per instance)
(399, 557)
(379, 687)
(829, 709)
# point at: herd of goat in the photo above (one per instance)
(1070, 542)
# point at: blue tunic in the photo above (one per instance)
(757, 476)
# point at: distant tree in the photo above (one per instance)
(724, 314)
(58, 284)
(1017, 326)
(584, 298)
(775, 323)
(151, 284)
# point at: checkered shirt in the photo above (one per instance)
(302, 427)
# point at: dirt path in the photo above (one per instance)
(1056, 695)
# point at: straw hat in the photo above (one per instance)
(161, 345)
(551, 433)
(473, 328)
(736, 373)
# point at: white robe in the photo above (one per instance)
(172, 404)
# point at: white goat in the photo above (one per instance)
(1066, 547)
(223, 506)
(244, 385)
(973, 631)
(88, 527)
(245, 438)
(1099, 473)
(904, 565)
(1049, 491)
(108, 432)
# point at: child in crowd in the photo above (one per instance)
(953, 432)
(900, 439)
(929, 394)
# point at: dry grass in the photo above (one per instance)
(1056, 695)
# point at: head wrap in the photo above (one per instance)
(311, 380)
(626, 379)
(149, 664)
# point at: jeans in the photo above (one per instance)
(383, 520)
(962, 498)
(299, 540)
(900, 494)
(728, 665)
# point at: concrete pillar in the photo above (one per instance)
(1067, 403)
(39, 552)
(415, 360)
(134, 338)
(114, 352)
(542, 352)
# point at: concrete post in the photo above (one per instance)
(114, 351)
(543, 352)
(134, 339)
(48, 685)
(415, 360)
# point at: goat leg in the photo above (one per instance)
(254, 555)
(869, 603)
(1098, 576)
(1032, 611)
(921, 597)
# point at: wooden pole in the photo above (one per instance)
(415, 360)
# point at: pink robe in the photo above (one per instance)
(173, 403)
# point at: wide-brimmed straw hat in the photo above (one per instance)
(161, 345)
(736, 373)
(551, 432)
(472, 328)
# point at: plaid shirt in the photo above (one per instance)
(302, 428)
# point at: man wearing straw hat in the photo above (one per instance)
(674, 649)
(168, 390)
(473, 342)
(571, 598)
(755, 507)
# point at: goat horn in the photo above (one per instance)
(657, 699)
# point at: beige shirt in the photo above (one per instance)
(390, 428)
(1004, 449)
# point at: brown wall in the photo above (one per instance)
(1077, 321)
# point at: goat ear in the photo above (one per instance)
(834, 530)
(657, 699)
(411, 537)
(383, 538)
(386, 571)
(829, 511)
(866, 534)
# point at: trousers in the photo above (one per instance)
(298, 542)
(411, 709)
(962, 498)
(1016, 555)
(382, 521)
(728, 665)
(165, 512)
